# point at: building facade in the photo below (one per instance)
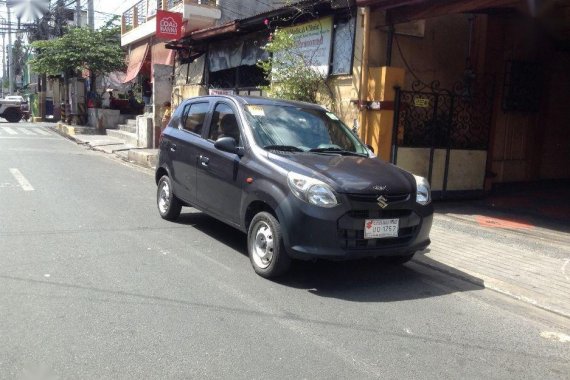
(466, 93)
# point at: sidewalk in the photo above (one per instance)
(111, 145)
(503, 253)
(516, 241)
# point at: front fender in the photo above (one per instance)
(273, 196)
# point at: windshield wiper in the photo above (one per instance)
(338, 151)
(283, 148)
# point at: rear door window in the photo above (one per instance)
(194, 116)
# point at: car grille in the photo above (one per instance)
(391, 198)
(377, 214)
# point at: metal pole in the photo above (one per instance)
(394, 156)
(90, 14)
(389, 44)
(9, 67)
(78, 12)
(4, 72)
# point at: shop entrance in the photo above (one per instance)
(442, 121)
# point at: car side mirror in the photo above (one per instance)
(370, 147)
(228, 144)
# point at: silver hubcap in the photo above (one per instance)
(262, 245)
(164, 198)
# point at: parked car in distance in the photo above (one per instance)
(24, 106)
(294, 178)
(13, 108)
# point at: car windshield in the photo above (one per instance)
(298, 129)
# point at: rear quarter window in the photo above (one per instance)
(193, 117)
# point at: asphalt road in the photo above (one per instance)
(95, 285)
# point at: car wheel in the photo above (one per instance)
(168, 205)
(12, 115)
(398, 260)
(265, 246)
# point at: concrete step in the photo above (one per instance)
(144, 157)
(72, 130)
(132, 122)
(127, 137)
(128, 128)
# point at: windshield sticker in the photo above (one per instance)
(332, 116)
(256, 110)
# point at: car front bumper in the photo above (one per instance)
(337, 233)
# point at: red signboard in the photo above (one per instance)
(168, 25)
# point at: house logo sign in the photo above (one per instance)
(168, 26)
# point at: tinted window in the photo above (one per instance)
(194, 115)
(224, 123)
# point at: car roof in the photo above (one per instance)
(259, 100)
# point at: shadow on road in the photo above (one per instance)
(365, 280)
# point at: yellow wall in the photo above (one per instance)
(380, 123)
(186, 91)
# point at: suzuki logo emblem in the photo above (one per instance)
(382, 202)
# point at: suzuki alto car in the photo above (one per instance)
(294, 178)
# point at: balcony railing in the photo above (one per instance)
(144, 11)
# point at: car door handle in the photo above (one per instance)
(173, 147)
(204, 160)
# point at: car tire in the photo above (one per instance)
(169, 206)
(398, 260)
(12, 115)
(265, 246)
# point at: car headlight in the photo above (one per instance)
(311, 190)
(423, 193)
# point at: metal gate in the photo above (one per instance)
(428, 116)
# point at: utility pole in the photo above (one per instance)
(90, 14)
(78, 12)
(10, 68)
(3, 59)
(4, 72)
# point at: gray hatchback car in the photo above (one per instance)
(294, 178)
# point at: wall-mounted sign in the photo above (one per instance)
(168, 25)
(313, 43)
(421, 102)
(220, 91)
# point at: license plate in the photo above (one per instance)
(381, 228)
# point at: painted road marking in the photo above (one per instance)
(9, 130)
(26, 186)
(42, 132)
(555, 336)
(27, 131)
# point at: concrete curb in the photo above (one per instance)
(143, 157)
(495, 285)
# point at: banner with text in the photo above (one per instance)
(313, 43)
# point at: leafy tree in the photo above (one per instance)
(291, 74)
(80, 48)
(19, 55)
